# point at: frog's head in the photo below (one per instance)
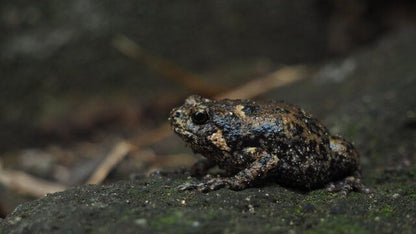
(194, 123)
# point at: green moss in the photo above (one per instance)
(169, 220)
(212, 213)
(172, 219)
(386, 211)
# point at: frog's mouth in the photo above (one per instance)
(186, 135)
(192, 140)
(177, 120)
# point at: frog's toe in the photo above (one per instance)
(212, 184)
(187, 186)
(358, 186)
(347, 185)
(209, 185)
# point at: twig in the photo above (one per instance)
(115, 156)
(254, 88)
(123, 148)
(27, 184)
(152, 136)
(164, 67)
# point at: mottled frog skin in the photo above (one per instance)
(253, 141)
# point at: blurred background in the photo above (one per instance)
(86, 86)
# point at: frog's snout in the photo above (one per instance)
(175, 113)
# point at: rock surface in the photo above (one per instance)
(369, 97)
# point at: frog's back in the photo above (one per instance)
(268, 124)
(292, 122)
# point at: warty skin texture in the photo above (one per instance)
(253, 140)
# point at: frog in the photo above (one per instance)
(270, 140)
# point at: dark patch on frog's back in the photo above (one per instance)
(297, 129)
(300, 120)
(251, 109)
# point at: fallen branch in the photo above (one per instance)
(257, 87)
(164, 67)
(123, 148)
(115, 156)
(27, 184)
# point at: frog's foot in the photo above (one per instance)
(347, 185)
(211, 185)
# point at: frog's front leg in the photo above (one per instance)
(263, 163)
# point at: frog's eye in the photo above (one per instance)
(200, 116)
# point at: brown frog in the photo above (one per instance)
(273, 140)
